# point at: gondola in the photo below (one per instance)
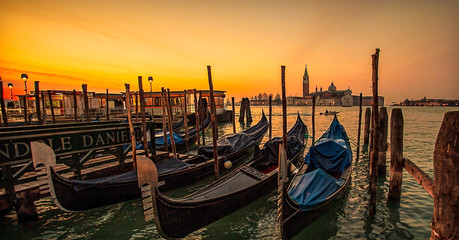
(177, 218)
(80, 195)
(323, 178)
(328, 113)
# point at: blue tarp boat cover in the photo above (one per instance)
(332, 152)
(313, 188)
(295, 142)
(171, 165)
(233, 142)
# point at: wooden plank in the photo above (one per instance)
(420, 176)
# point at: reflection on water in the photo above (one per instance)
(347, 219)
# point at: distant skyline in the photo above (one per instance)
(105, 44)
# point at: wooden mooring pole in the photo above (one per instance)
(214, 124)
(86, 102)
(383, 122)
(196, 116)
(169, 118)
(270, 116)
(185, 118)
(163, 103)
(52, 107)
(37, 102)
(75, 106)
(375, 148)
(313, 115)
(107, 112)
(282, 161)
(446, 177)
(396, 154)
(45, 117)
(359, 128)
(2, 104)
(249, 112)
(242, 110)
(142, 117)
(131, 128)
(233, 117)
(366, 130)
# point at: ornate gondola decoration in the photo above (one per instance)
(323, 178)
(179, 217)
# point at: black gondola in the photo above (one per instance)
(321, 180)
(178, 217)
(80, 195)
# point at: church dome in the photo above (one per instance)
(332, 87)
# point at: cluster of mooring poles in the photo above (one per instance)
(443, 188)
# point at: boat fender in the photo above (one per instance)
(228, 164)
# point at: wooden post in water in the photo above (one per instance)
(169, 116)
(446, 178)
(25, 110)
(37, 102)
(366, 130)
(75, 106)
(249, 112)
(446, 174)
(396, 154)
(163, 103)
(131, 127)
(185, 118)
(375, 149)
(86, 102)
(242, 110)
(196, 116)
(136, 95)
(52, 107)
(270, 115)
(360, 126)
(142, 117)
(233, 117)
(383, 122)
(2, 104)
(106, 105)
(45, 117)
(213, 117)
(282, 162)
(203, 117)
(313, 115)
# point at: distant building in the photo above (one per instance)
(305, 82)
(330, 97)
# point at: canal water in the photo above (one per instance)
(348, 219)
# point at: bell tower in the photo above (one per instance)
(305, 82)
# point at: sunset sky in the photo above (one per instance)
(105, 44)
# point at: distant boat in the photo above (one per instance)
(327, 113)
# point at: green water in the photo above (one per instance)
(348, 219)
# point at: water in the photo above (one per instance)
(348, 219)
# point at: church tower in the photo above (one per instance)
(305, 82)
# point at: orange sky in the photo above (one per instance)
(105, 44)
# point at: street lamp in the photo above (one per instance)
(25, 77)
(10, 85)
(150, 80)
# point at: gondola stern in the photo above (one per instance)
(148, 184)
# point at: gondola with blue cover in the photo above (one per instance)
(178, 217)
(321, 180)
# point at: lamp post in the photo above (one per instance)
(10, 85)
(25, 77)
(150, 80)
